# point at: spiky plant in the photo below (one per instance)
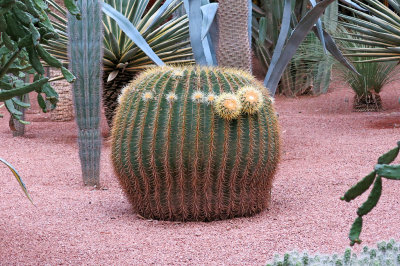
(367, 86)
(24, 29)
(382, 170)
(373, 76)
(85, 51)
(195, 144)
(122, 58)
(307, 71)
(377, 26)
(385, 253)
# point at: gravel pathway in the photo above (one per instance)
(326, 149)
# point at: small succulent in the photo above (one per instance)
(386, 253)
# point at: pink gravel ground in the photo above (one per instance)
(326, 148)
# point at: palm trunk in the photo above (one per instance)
(233, 49)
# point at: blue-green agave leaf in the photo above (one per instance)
(160, 11)
(276, 70)
(287, 13)
(334, 50)
(208, 11)
(195, 23)
(127, 27)
(319, 29)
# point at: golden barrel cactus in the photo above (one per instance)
(195, 143)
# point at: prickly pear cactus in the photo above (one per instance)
(195, 144)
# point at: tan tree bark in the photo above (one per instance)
(233, 49)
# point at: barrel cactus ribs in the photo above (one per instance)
(195, 144)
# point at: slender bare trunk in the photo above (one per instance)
(233, 45)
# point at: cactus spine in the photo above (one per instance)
(177, 158)
(85, 50)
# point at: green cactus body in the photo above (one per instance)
(85, 52)
(178, 159)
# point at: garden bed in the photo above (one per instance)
(326, 148)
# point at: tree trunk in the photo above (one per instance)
(233, 49)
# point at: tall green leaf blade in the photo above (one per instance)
(18, 177)
(279, 45)
(195, 22)
(302, 29)
(132, 33)
(335, 52)
(319, 28)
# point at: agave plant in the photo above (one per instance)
(167, 37)
(375, 25)
(306, 70)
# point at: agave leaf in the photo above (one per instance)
(195, 22)
(112, 75)
(155, 17)
(335, 52)
(319, 28)
(18, 177)
(298, 35)
(132, 32)
(208, 12)
(279, 46)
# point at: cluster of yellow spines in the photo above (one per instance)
(228, 106)
(248, 100)
(251, 99)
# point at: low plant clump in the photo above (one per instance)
(386, 253)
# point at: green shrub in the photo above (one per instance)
(386, 253)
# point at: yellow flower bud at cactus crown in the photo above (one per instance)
(251, 98)
(228, 106)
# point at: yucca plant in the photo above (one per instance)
(167, 36)
(377, 26)
(371, 78)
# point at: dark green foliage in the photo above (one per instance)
(24, 26)
(360, 187)
(382, 169)
(372, 198)
(180, 155)
(386, 253)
